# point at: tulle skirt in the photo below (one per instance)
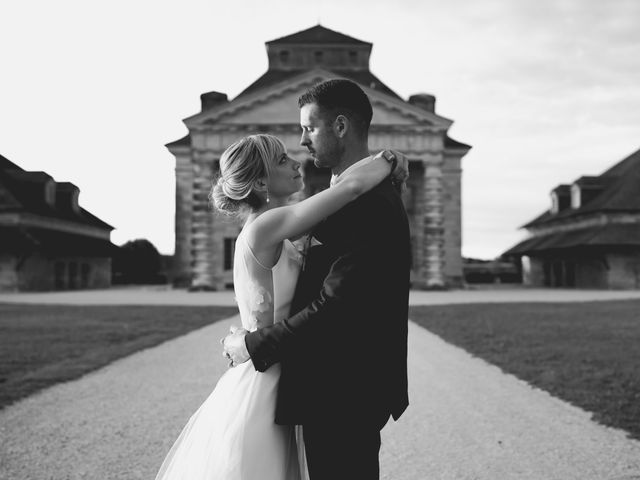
(232, 436)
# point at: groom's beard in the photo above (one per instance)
(330, 156)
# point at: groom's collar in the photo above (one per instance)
(334, 178)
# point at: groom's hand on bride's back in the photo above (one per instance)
(234, 347)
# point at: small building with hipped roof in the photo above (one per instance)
(47, 240)
(590, 235)
(204, 241)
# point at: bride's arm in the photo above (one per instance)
(291, 221)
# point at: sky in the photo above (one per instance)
(544, 90)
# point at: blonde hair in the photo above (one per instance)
(241, 165)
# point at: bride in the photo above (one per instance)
(233, 436)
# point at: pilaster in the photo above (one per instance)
(183, 217)
(431, 268)
(202, 226)
(452, 210)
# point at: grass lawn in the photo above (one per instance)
(585, 353)
(41, 345)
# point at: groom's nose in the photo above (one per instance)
(304, 139)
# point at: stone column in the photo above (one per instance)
(431, 210)
(413, 199)
(202, 227)
(184, 209)
(452, 211)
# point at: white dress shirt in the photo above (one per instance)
(334, 178)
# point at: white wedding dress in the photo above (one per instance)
(232, 436)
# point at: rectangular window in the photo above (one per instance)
(72, 273)
(60, 270)
(85, 275)
(229, 251)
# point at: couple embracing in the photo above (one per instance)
(320, 363)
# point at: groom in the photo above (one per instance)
(344, 353)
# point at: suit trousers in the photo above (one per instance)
(342, 452)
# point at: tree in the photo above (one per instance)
(138, 261)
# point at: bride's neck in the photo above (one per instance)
(273, 203)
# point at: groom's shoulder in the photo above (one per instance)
(382, 196)
(380, 206)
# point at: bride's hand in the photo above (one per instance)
(234, 347)
(400, 172)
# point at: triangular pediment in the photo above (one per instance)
(278, 104)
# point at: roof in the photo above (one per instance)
(609, 235)
(363, 77)
(619, 193)
(451, 143)
(27, 195)
(622, 167)
(317, 35)
(184, 141)
(6, 164)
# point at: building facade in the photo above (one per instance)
(590, 236)
(47, 241)
(204, 240)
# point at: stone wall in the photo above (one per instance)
(41, 273)
(624, 270)
(8, 275)
(591, 273)
(598, 271)
(35, 273)
(433, 204)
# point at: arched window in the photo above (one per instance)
(318, 55)
(284, 56)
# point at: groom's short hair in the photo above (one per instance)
(341, 97)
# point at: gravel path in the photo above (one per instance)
(160, 295)
(467, 420)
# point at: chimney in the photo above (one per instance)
(424, 101)
(211, 100)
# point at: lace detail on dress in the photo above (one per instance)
(260, 301)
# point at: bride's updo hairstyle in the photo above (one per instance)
(241, 165)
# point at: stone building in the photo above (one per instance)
(204, 241)
(47, 241)
(590, 237)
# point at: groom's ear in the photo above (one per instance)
(341, 126)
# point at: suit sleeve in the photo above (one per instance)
(346, 283)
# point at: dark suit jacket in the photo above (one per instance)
(344, 353)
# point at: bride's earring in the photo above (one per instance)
(267, 195)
